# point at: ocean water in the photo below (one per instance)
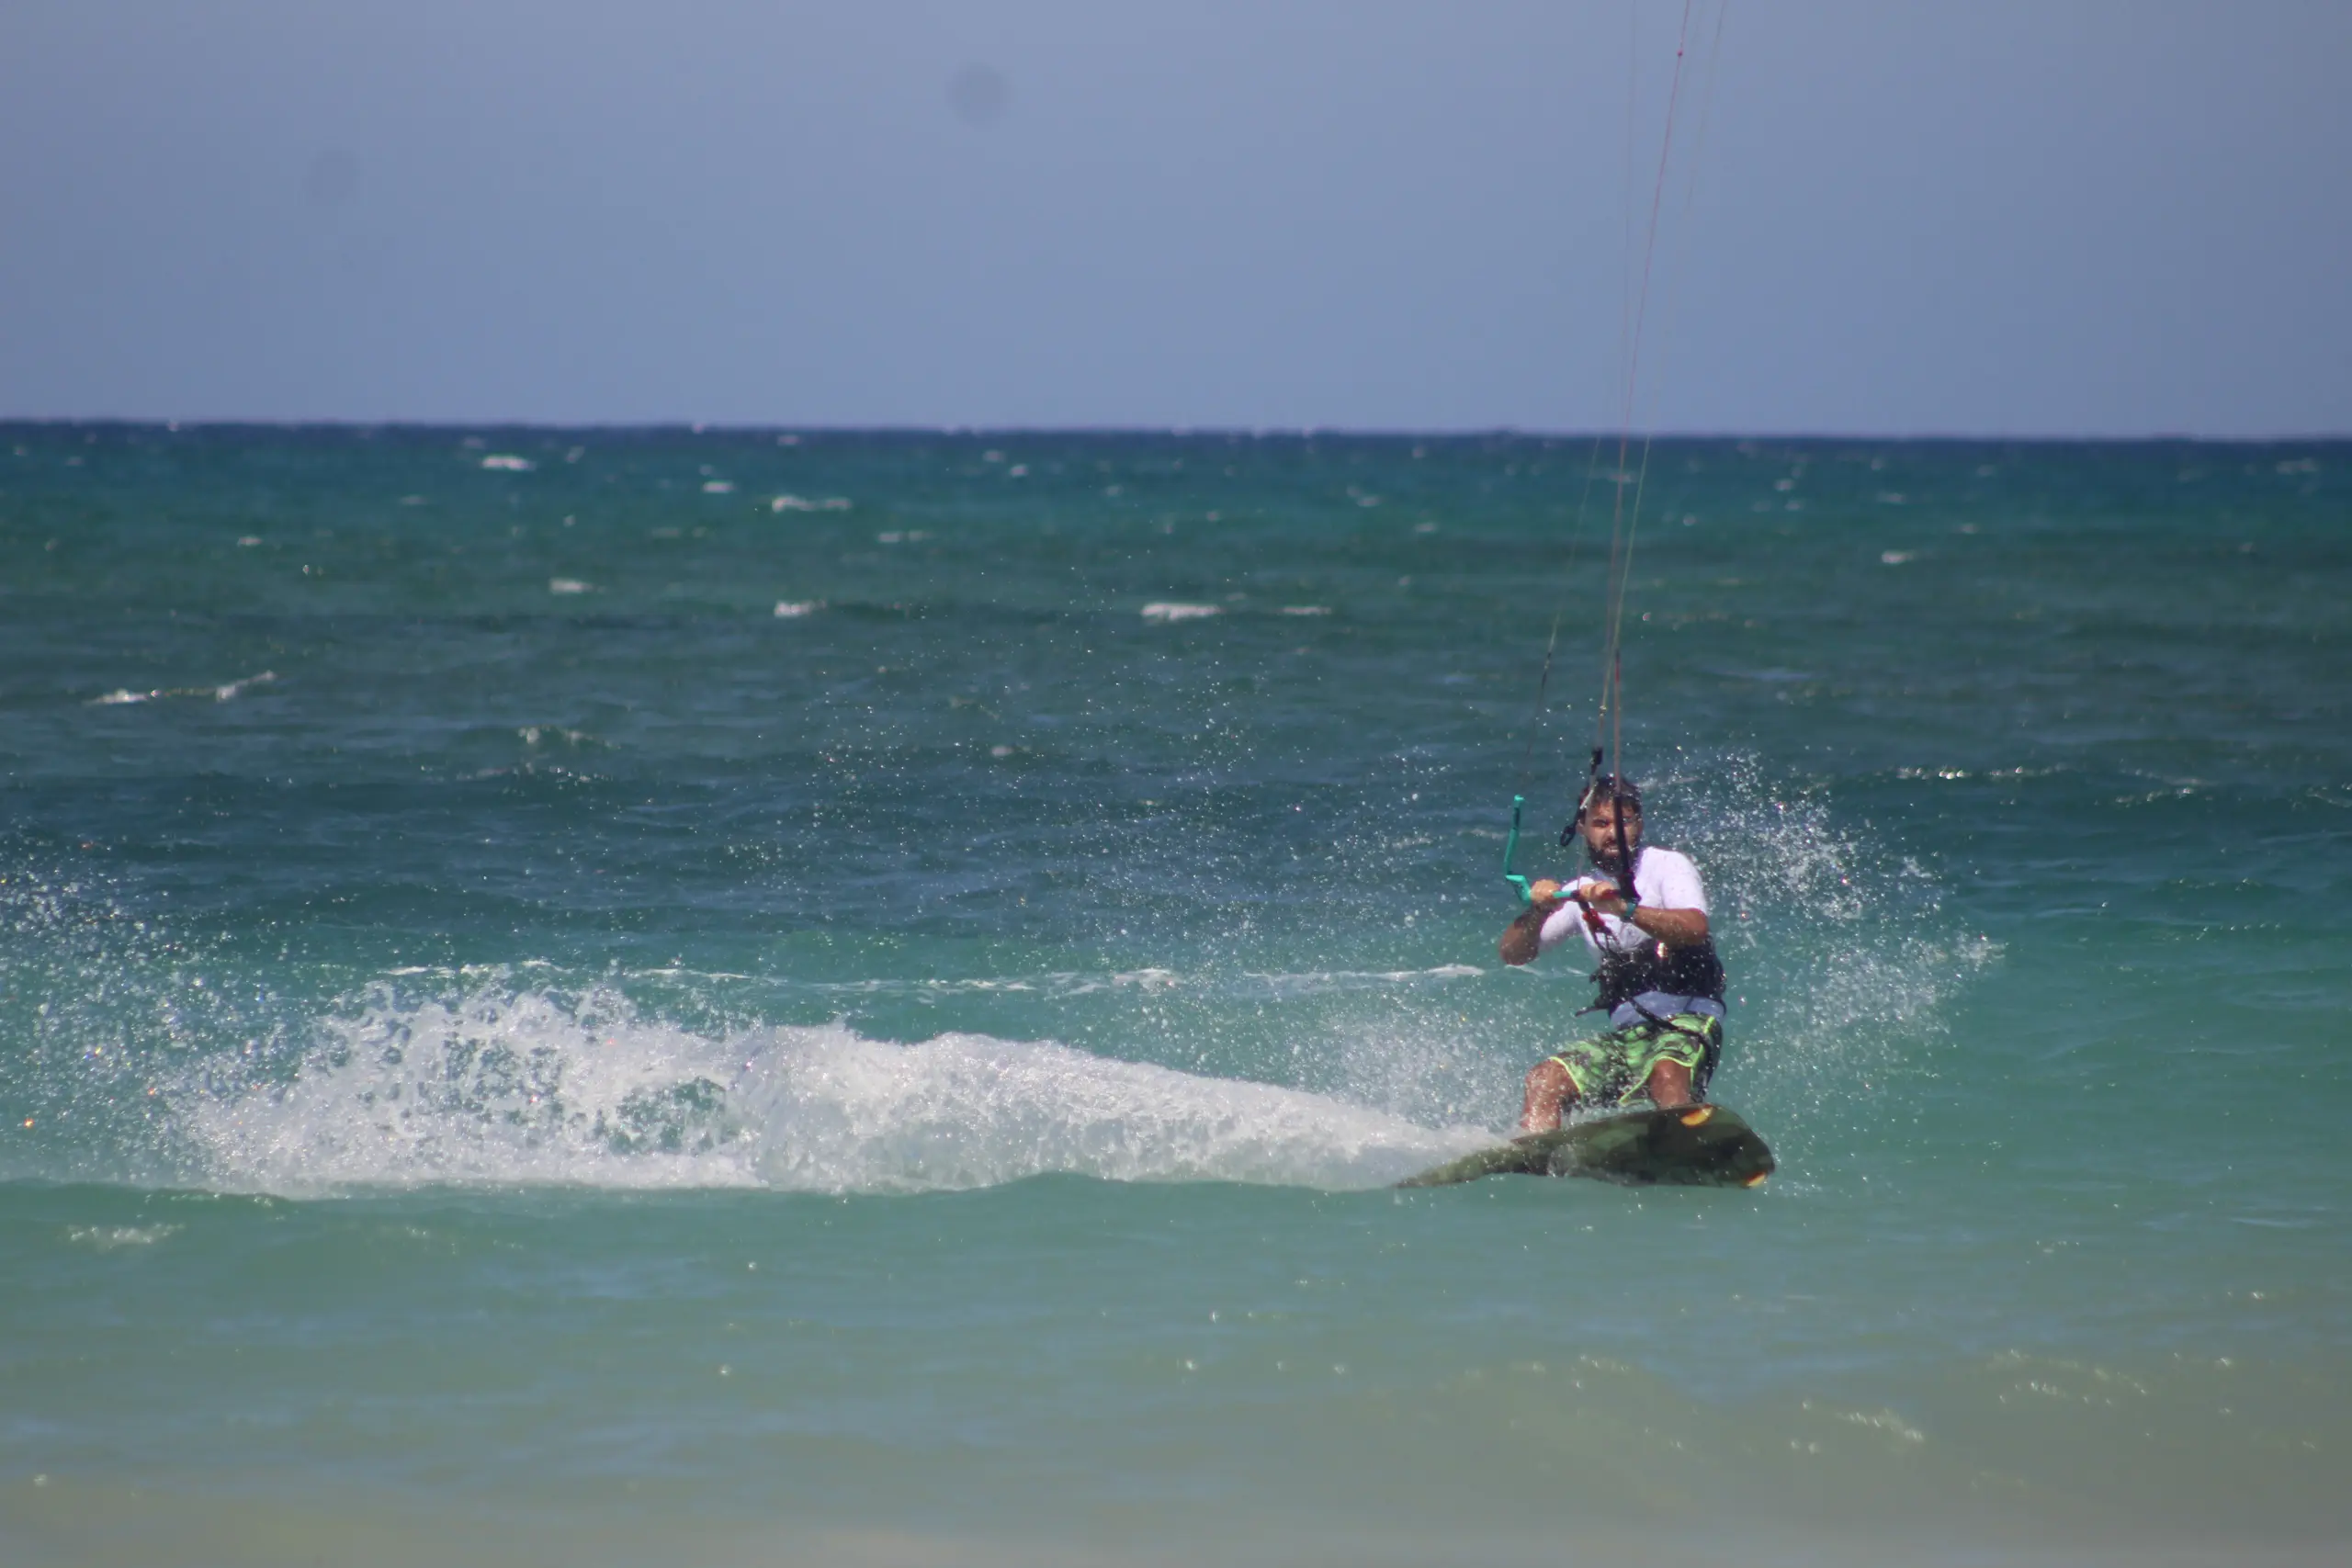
(732, 997)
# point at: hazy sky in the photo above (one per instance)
(2041, 217)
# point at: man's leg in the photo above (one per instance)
(1670, 1086)
(1549, 1091)
(1680, 1053)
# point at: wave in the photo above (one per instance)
(521, 1085)
(1063, 984)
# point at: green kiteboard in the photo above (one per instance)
(1690, 1146)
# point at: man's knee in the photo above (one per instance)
(1549, 1089)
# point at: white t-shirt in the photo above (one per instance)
(1661, 878)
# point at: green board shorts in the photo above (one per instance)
(1614, 1068)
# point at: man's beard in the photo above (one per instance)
(1608, 861)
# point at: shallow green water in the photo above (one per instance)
(738, 999)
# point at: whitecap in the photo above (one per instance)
(570, 585)
(1174, 612)
(509, 463)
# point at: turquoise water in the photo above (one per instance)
(597, 996)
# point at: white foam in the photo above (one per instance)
(508, 462)
(537, 734)
(220, 693)
(512, 1084)
(793, 609)
(110, 1238)
(1172, 612)
(570, 585)
(803, 503)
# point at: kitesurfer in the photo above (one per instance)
(1661, 985)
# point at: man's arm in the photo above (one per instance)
(1676, 928)
(1523, 939)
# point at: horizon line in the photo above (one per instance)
(1175, 431)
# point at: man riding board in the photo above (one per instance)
(1660, 981)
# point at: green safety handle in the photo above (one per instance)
(1510, 849)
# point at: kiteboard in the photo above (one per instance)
(1690, 1146)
